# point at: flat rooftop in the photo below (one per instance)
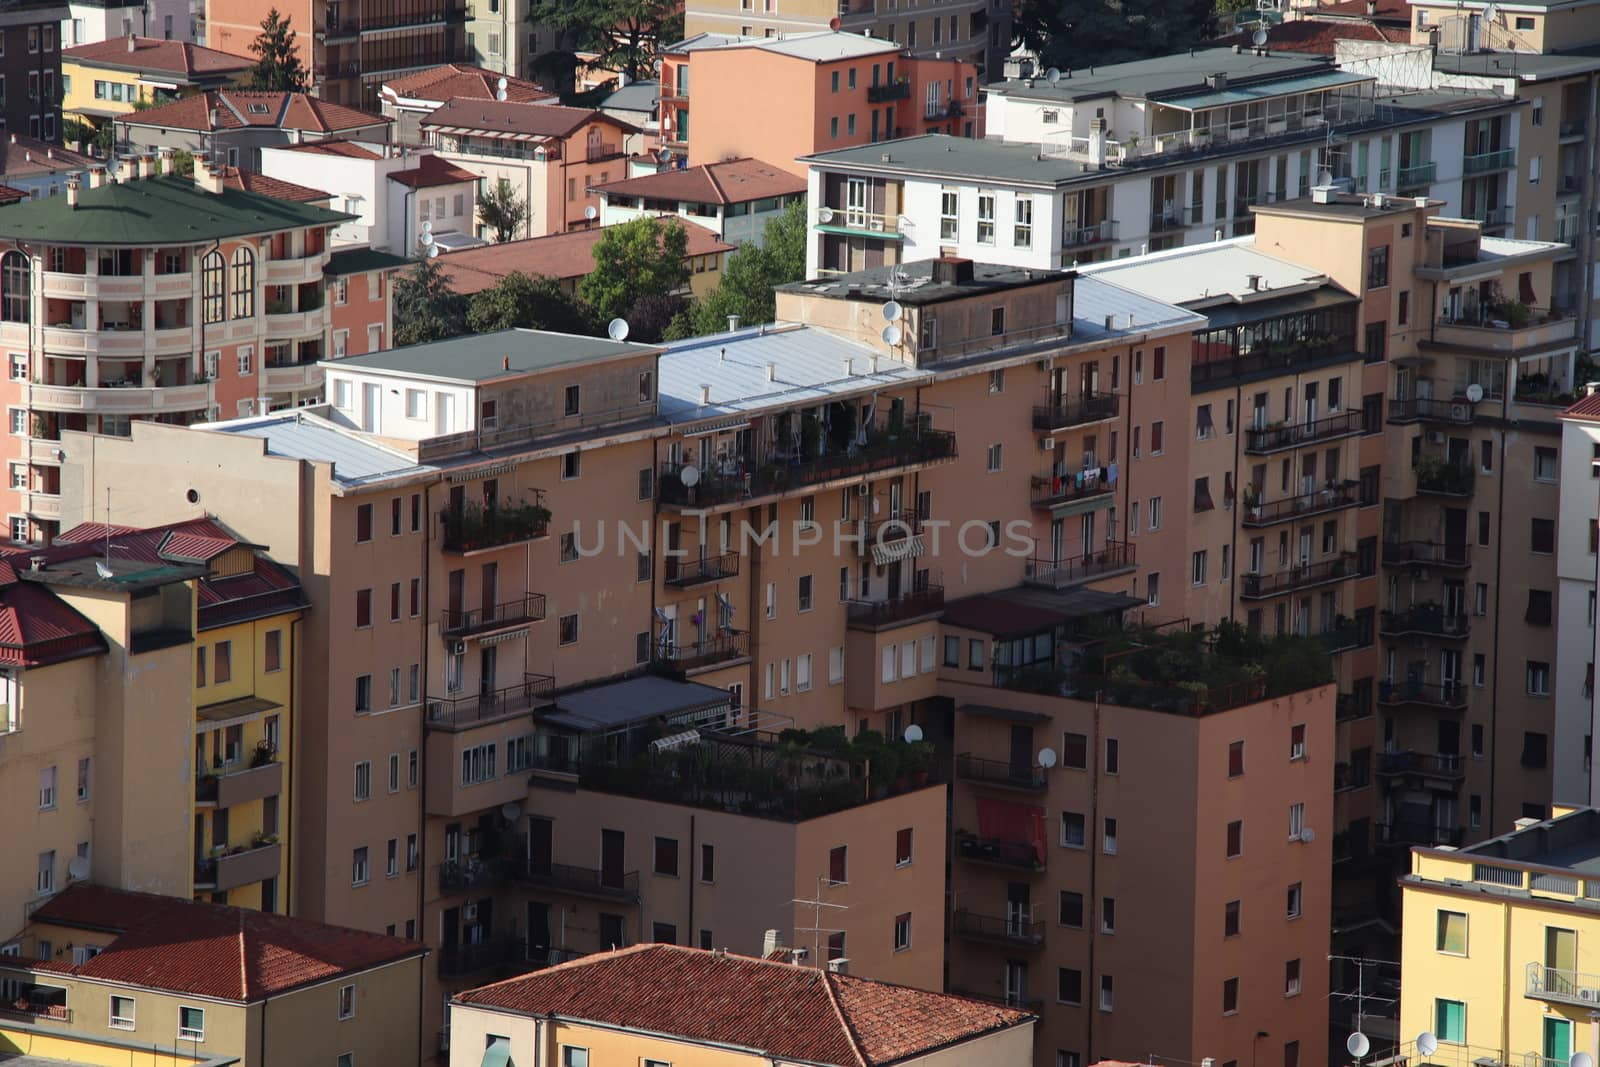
(476, 359)
(614, 704)
(303, 435)
(1524, 66)
(915, 284)
(821, 47)
(1165, 76)
(1199, 274)
(1570, 841)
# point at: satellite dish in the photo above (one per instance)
(1358, 1045)
(433, 251)
(1259, 38)
(617, 329)
(1325, 177)
(591, 212)
(500, 95)
(102, 570)
(78, 871)
(1308, 835)
(664, 156)
(825, 215)
(913, 734)
(427, 238)
(1047, 757)
(1427, 1044)
(511, 812)
(1052, 75)
(689, 476)
(892, 311)
(501, 84)
(891, 335)
(427, 227)
(1474, 392)
(1579, 1059)
(1490, 13)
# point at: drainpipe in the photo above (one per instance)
(689, 876)
(1091, 835)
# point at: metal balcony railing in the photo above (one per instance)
(1561, 986)
(1428, 620)
(1483, 162)
(1291, 435)
(1060, 573)
(1329, 498)
(883, 94)
(458, 712)
(1417, 176)
(529, 607)
(1000, 773)
(1445, 479)
(1425, 553)
(1062, 414)
(1451, 695)
(456, 961)
(908, 605)
(687, 572)
(714, 648)
(1259, 586)
(1426, 764)
(1427, 409)
(1019, 855)
(568, 878)
(1091, 234)
(1005, 930)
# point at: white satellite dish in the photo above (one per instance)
(102, 570)
(892, 311)
(1259, 38)
(891, 335)
(1490, 13)
(1581, 1059)
(78, 871)
(689, 476)
(511, 812)
(1308, 835)
(825, 215)
(1358, 1045)
(427, 227)
(1474, 392)
(501, 84)
(664, 156)
(1427, 1044)
(500, 95)
(591, 212)
(1052, 75)
(433, 251)
(617, 329)
(427, 238)
(913, 734)
(1047, 757)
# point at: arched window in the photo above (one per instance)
(15, 287)
(244, 283)
(213, 288)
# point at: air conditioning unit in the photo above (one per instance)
(864, 489)
(1460, 412)
(1307, 835)
(1592, 996)
(1436, 437)
(877, 225)
(1047, 444)
(458, 648)
(469, 912)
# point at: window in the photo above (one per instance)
(1538, 678)
(213, 288)
(1544, 535)
(1450, 935)
(1202, 495)
(363, 783)
(574, 1057)
(1113, 755)
(47, 788)
(363, 608)
(364, 693)
(666, 856)
(1070, 909)
(985, 217)
(708, 863)
(1197, 568)
(478, 764)
(1230, 919)
(1022, 232)
(363, 523)
(1539, 607)
(45, 879)
(948, 218)
(222, 662)
(837, 865)
(1108, 837)
(1297, 821)
(1158, 364)
(568, 625)
(573, 404)
(244, 287)
(995, 458)
(1291, 978)
(192, 1021)
(1297, 741)
(1107, 993)
(83, 778)
(1534, 749)
(1450, 1021)
(902, 847)
(1108, 915)
(1157, 439)
(1295, 901)
(902, 931)
(1072, 829)
(347, 1002)
(1075, 751)
(1069, 985)
(122, 1012)
(1235, 839)
(272, 655)
(1544, 464)
(1235, 759)
(1230, 995)
(413, 853)
(805, 593)
(571, 464)
(1153, 590)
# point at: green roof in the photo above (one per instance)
(163, 210)
(484, 357)
(359, 260)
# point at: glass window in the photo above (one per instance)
(1451, 933)
(244, 283)
(1450, 1021)
(213, 288)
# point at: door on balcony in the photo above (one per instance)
(539, 932)
(1021, 751)
(1449, 737)
(541, 845)
(1019, 912)
(1455, 599)
(855, 202)
(1016, 981)
(1086, 534)
(1089, 379)
(1458, 451)
(1308, 413)
(1560, 965)
(611, 845)
(1058, 386)
(1057, 539)
(1557, 1040)
(371, 399)
(1455, 533)
(450, 936)
(489, 590)
(486, 669)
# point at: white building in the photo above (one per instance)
(1575, 602)
(91, 22)
(735, 199)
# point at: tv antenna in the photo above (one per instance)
(816, 929)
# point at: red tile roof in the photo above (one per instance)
(250, 181)
(1386, 11)
(177, 58)
(732, 181)
(1587, 409)
(208, 950)
(22, 156)
(37, 627)
(561, 256)
(348, 149)
(431, 171)
(236, 109)
(1310, 36)
(9, 195)
(530, 120)
(789, 1012)
(455, 80)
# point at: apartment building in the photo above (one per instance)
(30, 63)
(840, 90)
(89, 21)
(1499, 945)
(761, 1011)
(735, 199)
(1572, 767)
(100, 975)
(104, 79)
(974, 31)
(233, 126)
(349, 49)
(410, 98)
(551, 156)
(1159, 153)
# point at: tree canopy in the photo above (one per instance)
(1082, 33)
(624, 34)
(529, 302)
(632, 260)
(278, 68)
(502, 210)
(425, 308)
(746, 286)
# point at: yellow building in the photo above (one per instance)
(1501, 946)
(668, 1004)
(115, 76)
(103, 976)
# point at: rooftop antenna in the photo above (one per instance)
(617, 329)
(816, 929)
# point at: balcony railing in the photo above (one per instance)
(1404, 834)
(580, 881)
(1424, 764)
(1417, 176)
(474, 527)
(1484, 162)
(883, 94)
(1561, 986)
(1347, 708)
(858, 220)
(1093, 234)
(1062, 414)
(715, 648)
(1329, 498)
(241, 785)
(1489, 217)
(1451, 695)
(24, 1008)
(1427, 409)
(1277, 438)
(457, 961)
(1000, 773)
(1425, 554)
(686, 572)
(1273, 358)
(1018, 855)
(527, 608)
(1445, 479)
(1428, 620)
(910, 605)
(248, 865)
(1115, 557)
(1164, 220)
(998, 929)
(456, 713)
(1050, 490)
(469, 874)
(1260, 586)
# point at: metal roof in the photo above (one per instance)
(620, 703)
(301, 435)
(1253, 93)
(821, 47)
(1163, 75)
(478, 358)
(1193, 273)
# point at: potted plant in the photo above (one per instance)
(918, 761)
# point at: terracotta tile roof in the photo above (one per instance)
(530, 120)
(431, 171)
(1387, 11)
(733, 181)
(250, 181)
(208, 950)
(9, 195)
(788, 1012)
(22, 156)
(1313, 37)
(455, 80)
(561, 255)
(348, 149)
(238, 109)
(178, 58)
(37, 627)
(1586, 409)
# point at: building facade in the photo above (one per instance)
(32, 67)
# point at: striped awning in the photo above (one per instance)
(477, 131)
(907, 548)
(501, 638)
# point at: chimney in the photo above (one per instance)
(72, 191)
(207, 178)
(1253, 281)
(505, 362)
(705, 394)
(733, 323)
(1378, 200)
(97, 177)
(839, 966)
(1324, 194)
(849, 366)
(147, 166)
(1422, 201)
(1097, 143)
(952, 270)
(133, 42)
(771, 942)
(722, 355)
(772, 372)
(1591, 388)
(1523, 824)
(36, 562)
(167, 161)
(1372, 8)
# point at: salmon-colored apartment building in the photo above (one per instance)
(105, 320)
(840, 89)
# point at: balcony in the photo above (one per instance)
(119, 400)
(998, 930)
(1491, 218)
(1436, 477)
(459, 961)
(1346, 708)
(1449, 696)
(592, 882)
(1333, 497)
(1020, 1001)
(892, 611)
(1484, 162)
(1065, 414)
(298, 270)
(1170, 218)
(1117, 557)
(1305, 576)
(37, 1003)
(1427, 409)
(1223, 359)
(1424, 620)
(1000, 774)
(1436, 765)
(995, 852)
(1425, 554)
(683, 573)
(1095, 233)
(1267, 439)
(1573, 127)
(1050, 491)
(1398, 835)
(528, 608)
(858, 222)
(242, 786)
(234, 869)
(469, 875)
(473, 528)
(707, 652)
(462, 713)
(1416, 177)
(296, 323)
(1506, 329)
(883, 94)
(1556, 985)
(879, 531)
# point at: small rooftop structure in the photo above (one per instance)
(732, 181)
(1570, 841)
(565, 257)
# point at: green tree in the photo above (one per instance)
(278, 68)
(1083, 33)
(652, 315)
(425, 308)
(502, 210)
(746, 286)
(624, 34)
(528, 301)
(632, 260)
